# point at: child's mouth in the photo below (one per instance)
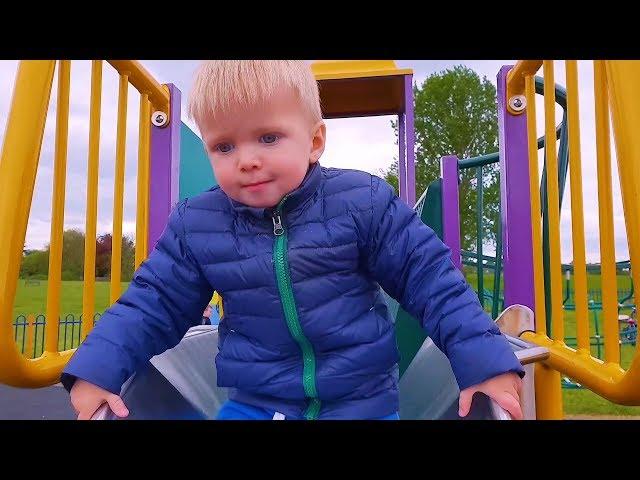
(256, 185)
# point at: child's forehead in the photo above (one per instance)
(270, 112)
(282, 99)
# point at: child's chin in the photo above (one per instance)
(263, 205)
(255, 203)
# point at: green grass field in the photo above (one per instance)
(580, 401)
(31, 299)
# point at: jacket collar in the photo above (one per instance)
(307, 188)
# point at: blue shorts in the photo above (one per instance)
(232, 410)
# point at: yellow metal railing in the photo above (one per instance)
(605, 215)
(551, 164)
(577, 211)
(57, 214)
(142, 225)
(18, 168)
(616, 90)
(89, 286)
(118, 190)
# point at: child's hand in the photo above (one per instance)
(504, 389)
(86, 398)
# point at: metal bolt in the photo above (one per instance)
(518, 103)
(159, 119)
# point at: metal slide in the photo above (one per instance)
(181, 384)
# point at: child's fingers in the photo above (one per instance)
(518, 385)
(464, 404)
(85, 412)
(510, 404)
(117, 405)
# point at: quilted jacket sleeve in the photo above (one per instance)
(166, 297)
(413, 266)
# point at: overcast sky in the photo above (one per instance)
(363, 143)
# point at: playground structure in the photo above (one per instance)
(493, 263)
(527, 253)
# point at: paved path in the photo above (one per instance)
(50, 403)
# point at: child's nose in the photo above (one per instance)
(248, 160)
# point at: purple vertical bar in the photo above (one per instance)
(515, 197)
(450, 207)
(402, 171)
(164, 171)
(410, 135)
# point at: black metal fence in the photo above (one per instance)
(29, 332)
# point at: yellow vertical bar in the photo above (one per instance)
(548, 393)
(147, 184)
(534, 188)
(142, 214)
(89, 288)
(30, 340)
(605, 207)
(118, 193)
(547, 381)
(145, 217)
(57, 214)
(18, 166)
(551, 163)
(624, 92)
(577, 210)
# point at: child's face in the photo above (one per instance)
(262, 153)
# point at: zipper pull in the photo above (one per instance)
(278, 229)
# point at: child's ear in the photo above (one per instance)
(317, 141)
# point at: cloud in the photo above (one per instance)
(366, 144)
(77, 153)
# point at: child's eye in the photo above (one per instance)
(269, 138)
(224, 147)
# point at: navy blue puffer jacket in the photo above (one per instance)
(306, 330)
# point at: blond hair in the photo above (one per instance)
(220, 84)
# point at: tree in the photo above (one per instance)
(128, 259)
(455, 114)
(104, 245)
(35, 264)
(73, 255)
(103, 255)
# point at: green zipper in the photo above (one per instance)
(291, 314)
